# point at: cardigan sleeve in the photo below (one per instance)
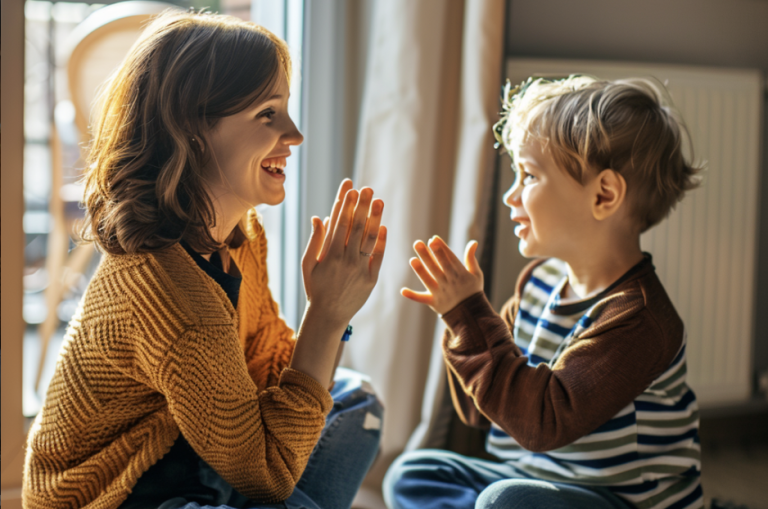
(258, 441)
(268, 342)
(545, 408)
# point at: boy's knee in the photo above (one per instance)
(517, 494)
(407, 468)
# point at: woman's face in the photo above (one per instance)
(249, 151)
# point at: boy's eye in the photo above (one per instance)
(527, 177)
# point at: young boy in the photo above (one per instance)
(582, 376)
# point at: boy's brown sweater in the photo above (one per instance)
(608, 365)
(155, 349)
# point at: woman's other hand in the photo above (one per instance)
(446, 279)
(342, 261)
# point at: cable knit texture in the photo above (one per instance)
(155, 349)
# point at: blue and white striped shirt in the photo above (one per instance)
(648, 453)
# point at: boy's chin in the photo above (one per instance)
(528, 251)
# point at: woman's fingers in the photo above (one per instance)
(340, 232)
(359, 218)
(309, 261)
(429, 260)
(420, 297)
(424, 276)
(372, 227)
(377, 255)
(344, 188)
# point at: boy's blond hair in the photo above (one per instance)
(590, 125)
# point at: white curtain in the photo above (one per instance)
(425, 146)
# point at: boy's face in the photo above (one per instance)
(553, 209)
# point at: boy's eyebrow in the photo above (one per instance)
(528, 162)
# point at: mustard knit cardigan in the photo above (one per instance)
(155, 349)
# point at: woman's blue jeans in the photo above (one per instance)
(432, 479)
(346, 449)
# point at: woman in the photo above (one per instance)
(178, 383)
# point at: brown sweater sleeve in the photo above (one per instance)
(543, 407)
(259, 442)
(268, 342)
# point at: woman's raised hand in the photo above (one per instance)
(343, 258)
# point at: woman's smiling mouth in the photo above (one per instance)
(275, 166)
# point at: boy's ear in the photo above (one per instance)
(610, 190)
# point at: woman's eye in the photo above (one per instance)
(268, 114)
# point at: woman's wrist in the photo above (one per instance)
(317, 344)
(325, 317)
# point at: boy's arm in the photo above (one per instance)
(464, 404)
(543, 407)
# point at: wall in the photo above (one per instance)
(728, 33)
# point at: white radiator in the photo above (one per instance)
(705, 252)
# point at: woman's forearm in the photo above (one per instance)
(317, 346)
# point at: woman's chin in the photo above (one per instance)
(275, 199)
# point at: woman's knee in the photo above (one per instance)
(352, 389)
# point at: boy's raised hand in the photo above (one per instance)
(447, 280)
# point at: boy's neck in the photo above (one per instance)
(594, 270)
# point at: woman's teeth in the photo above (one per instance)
(275, 165)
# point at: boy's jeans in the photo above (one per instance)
(336, 468)
(431, 479)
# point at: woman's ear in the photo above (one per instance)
(610, 190)
(198, 144)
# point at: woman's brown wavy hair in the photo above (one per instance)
(144, 187)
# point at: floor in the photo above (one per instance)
(736, 475)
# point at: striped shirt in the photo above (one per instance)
(648, 453)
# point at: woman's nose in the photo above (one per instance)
(293, 136)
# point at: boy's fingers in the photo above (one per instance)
(450, 255)
(424, 276)
(420, 297)
(470, 258)
(444, 255)
(427, 257)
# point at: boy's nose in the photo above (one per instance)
(512, 196)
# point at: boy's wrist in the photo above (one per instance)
(454, 313)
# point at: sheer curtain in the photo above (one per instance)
(425, 146)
